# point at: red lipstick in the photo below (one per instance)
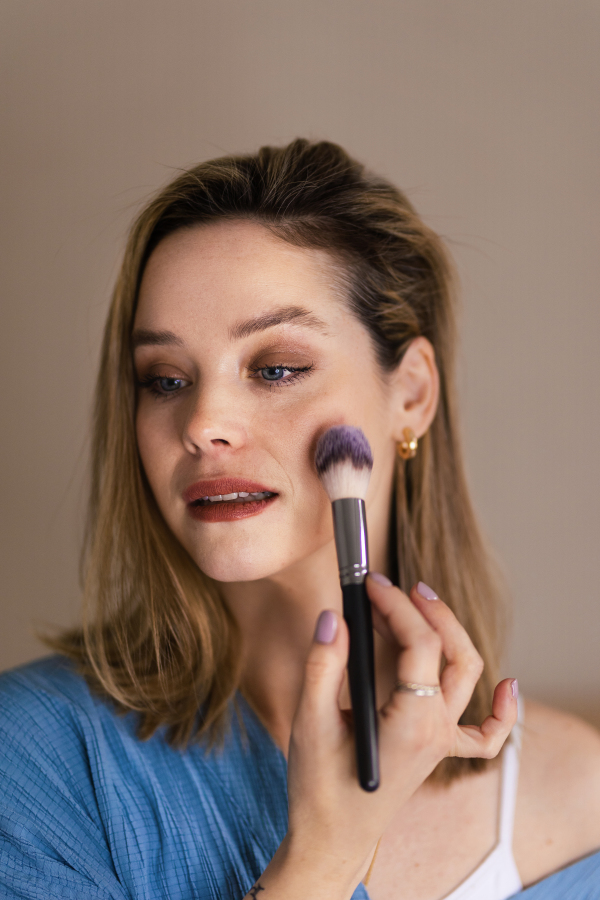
(223, 486)
(203, 509)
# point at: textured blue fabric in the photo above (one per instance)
(87, 811)
(581, 881)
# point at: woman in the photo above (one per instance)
(262, 300)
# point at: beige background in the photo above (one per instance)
(485, 112)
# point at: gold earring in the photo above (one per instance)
(407, 449)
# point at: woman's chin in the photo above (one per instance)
(262, 556)
(234, 569)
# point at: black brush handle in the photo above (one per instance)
(361, 674)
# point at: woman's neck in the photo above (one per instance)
(277, 618)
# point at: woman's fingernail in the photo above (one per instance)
(426, 592)
(378, 578)
(514, 686)
(326, 629)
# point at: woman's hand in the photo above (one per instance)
(333, 824)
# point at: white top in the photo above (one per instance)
(497, 877)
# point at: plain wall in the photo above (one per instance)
(485, 113)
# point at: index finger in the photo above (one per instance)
(420, 645)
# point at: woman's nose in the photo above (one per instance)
(213, 420)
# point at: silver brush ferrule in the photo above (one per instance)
(350, 528)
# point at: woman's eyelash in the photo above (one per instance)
(150, 383)
(297, 373)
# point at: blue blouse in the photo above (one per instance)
(87, 811)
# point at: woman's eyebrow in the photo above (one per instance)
(143, 336)
(281, 316)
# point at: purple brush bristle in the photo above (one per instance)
(341, 443)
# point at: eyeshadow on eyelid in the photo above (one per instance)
(282, 350)
(282, 360)
(280, 347)
(286, 342)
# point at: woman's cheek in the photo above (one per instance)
(153, 449)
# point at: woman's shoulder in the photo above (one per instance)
(52, 678)
(41, 689)
(46, 709)
(558, 808)
(560, 757)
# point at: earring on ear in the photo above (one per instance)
(407, 449)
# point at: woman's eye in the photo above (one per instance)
(163, 385)
(170, 384)
(273, 373)
(282, 374)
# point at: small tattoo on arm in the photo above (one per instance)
(257, 887)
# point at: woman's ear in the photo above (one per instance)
(415, 389)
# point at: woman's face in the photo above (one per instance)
(245, 355)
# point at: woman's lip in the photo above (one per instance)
(229, 512)
(223, 486)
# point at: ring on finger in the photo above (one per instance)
(419, 690)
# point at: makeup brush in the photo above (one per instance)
(344, 461)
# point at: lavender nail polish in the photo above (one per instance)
(378, 578)
(326, 629)
(514, 686)
(426, 592)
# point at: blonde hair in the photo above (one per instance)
(156, 636)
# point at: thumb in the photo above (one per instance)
(324, 672)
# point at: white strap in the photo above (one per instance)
(511, 757)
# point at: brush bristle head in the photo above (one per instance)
(344, 461)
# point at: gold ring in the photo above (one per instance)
(420, 690)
